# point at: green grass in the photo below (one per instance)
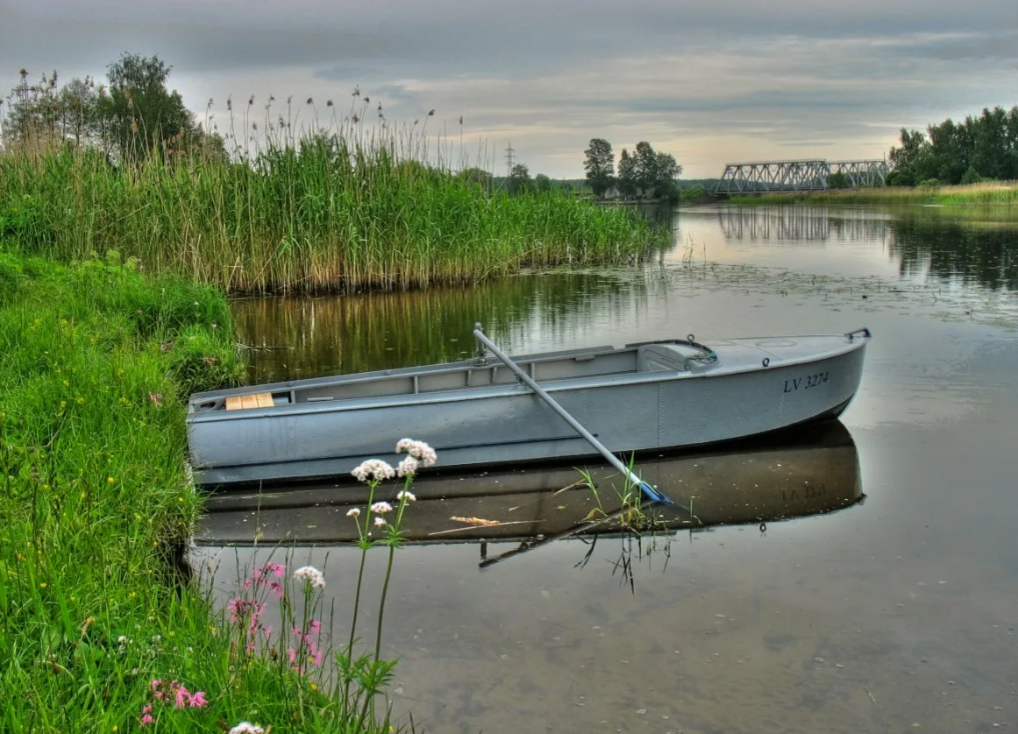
(981, 194)
(341, 211)
(95, 359)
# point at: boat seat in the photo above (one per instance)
(244, 402)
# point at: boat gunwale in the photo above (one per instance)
(487, 392)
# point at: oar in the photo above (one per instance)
(651, 493)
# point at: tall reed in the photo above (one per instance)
(338, 210)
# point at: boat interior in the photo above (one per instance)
(673, 356)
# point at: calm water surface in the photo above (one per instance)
(891, 614)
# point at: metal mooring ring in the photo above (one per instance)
(766, 361)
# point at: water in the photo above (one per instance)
(896, 613)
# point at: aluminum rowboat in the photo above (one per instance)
(648, 396)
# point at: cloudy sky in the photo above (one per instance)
(709, 82)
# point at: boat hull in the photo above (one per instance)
(801, 472)
(745, 395)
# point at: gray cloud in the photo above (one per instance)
(705, 81)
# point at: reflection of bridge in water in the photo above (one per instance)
(805, 175)
(798, 224)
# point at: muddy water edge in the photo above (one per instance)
(895, 613)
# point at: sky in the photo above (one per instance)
(709, 82)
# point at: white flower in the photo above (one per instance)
(408, 467)
(407, 495)
(355, 512)
(374, 468)
(123, 640)
(379, 521)
(246, 728)
(417, 449)
(311, 576)
(380, 508)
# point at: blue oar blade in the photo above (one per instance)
(654, 495)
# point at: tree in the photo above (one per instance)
(79, 111)
(477, 176)
(665, 187)
(32, 112)
(646, 168)
(140, 115)
(600, 166)
(908, 158)
(628, 184)
(519, 179)
(838, 180)
(542, 183)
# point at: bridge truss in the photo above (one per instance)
(804, 175)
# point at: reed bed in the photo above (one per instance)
(328, 212)
(990, 193)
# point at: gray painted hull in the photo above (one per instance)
(638, 398)
(809, 471)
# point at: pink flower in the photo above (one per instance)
(198, 700)
(146, 719)
(277, 589)
(292, 654)
(182, 697)
(316, 626)
(155, 685)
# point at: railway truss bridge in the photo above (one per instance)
(804, 175)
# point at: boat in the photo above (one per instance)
(799, 472)
(648, 396)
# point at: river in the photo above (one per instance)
(885, 603)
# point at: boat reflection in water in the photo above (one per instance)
(808, 471)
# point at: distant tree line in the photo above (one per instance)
(134, 116)
(980, 148)
(643, 174)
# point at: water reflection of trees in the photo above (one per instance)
(298, 337)
(954, 251)
(798, 224)
(924, 244)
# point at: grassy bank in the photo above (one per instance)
(97, 629)
(325, 213)
(981, 194)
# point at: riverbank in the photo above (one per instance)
(981, 194)
(326, 214)
(101, 629)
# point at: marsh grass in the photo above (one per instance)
(989, 193)
(95, 359)
(340, 207)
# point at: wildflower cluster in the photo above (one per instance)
(373, 470)
(307, 650)
(418, 453)
(311, 577)
(267, 577)
(172, 695)
(245, 727)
